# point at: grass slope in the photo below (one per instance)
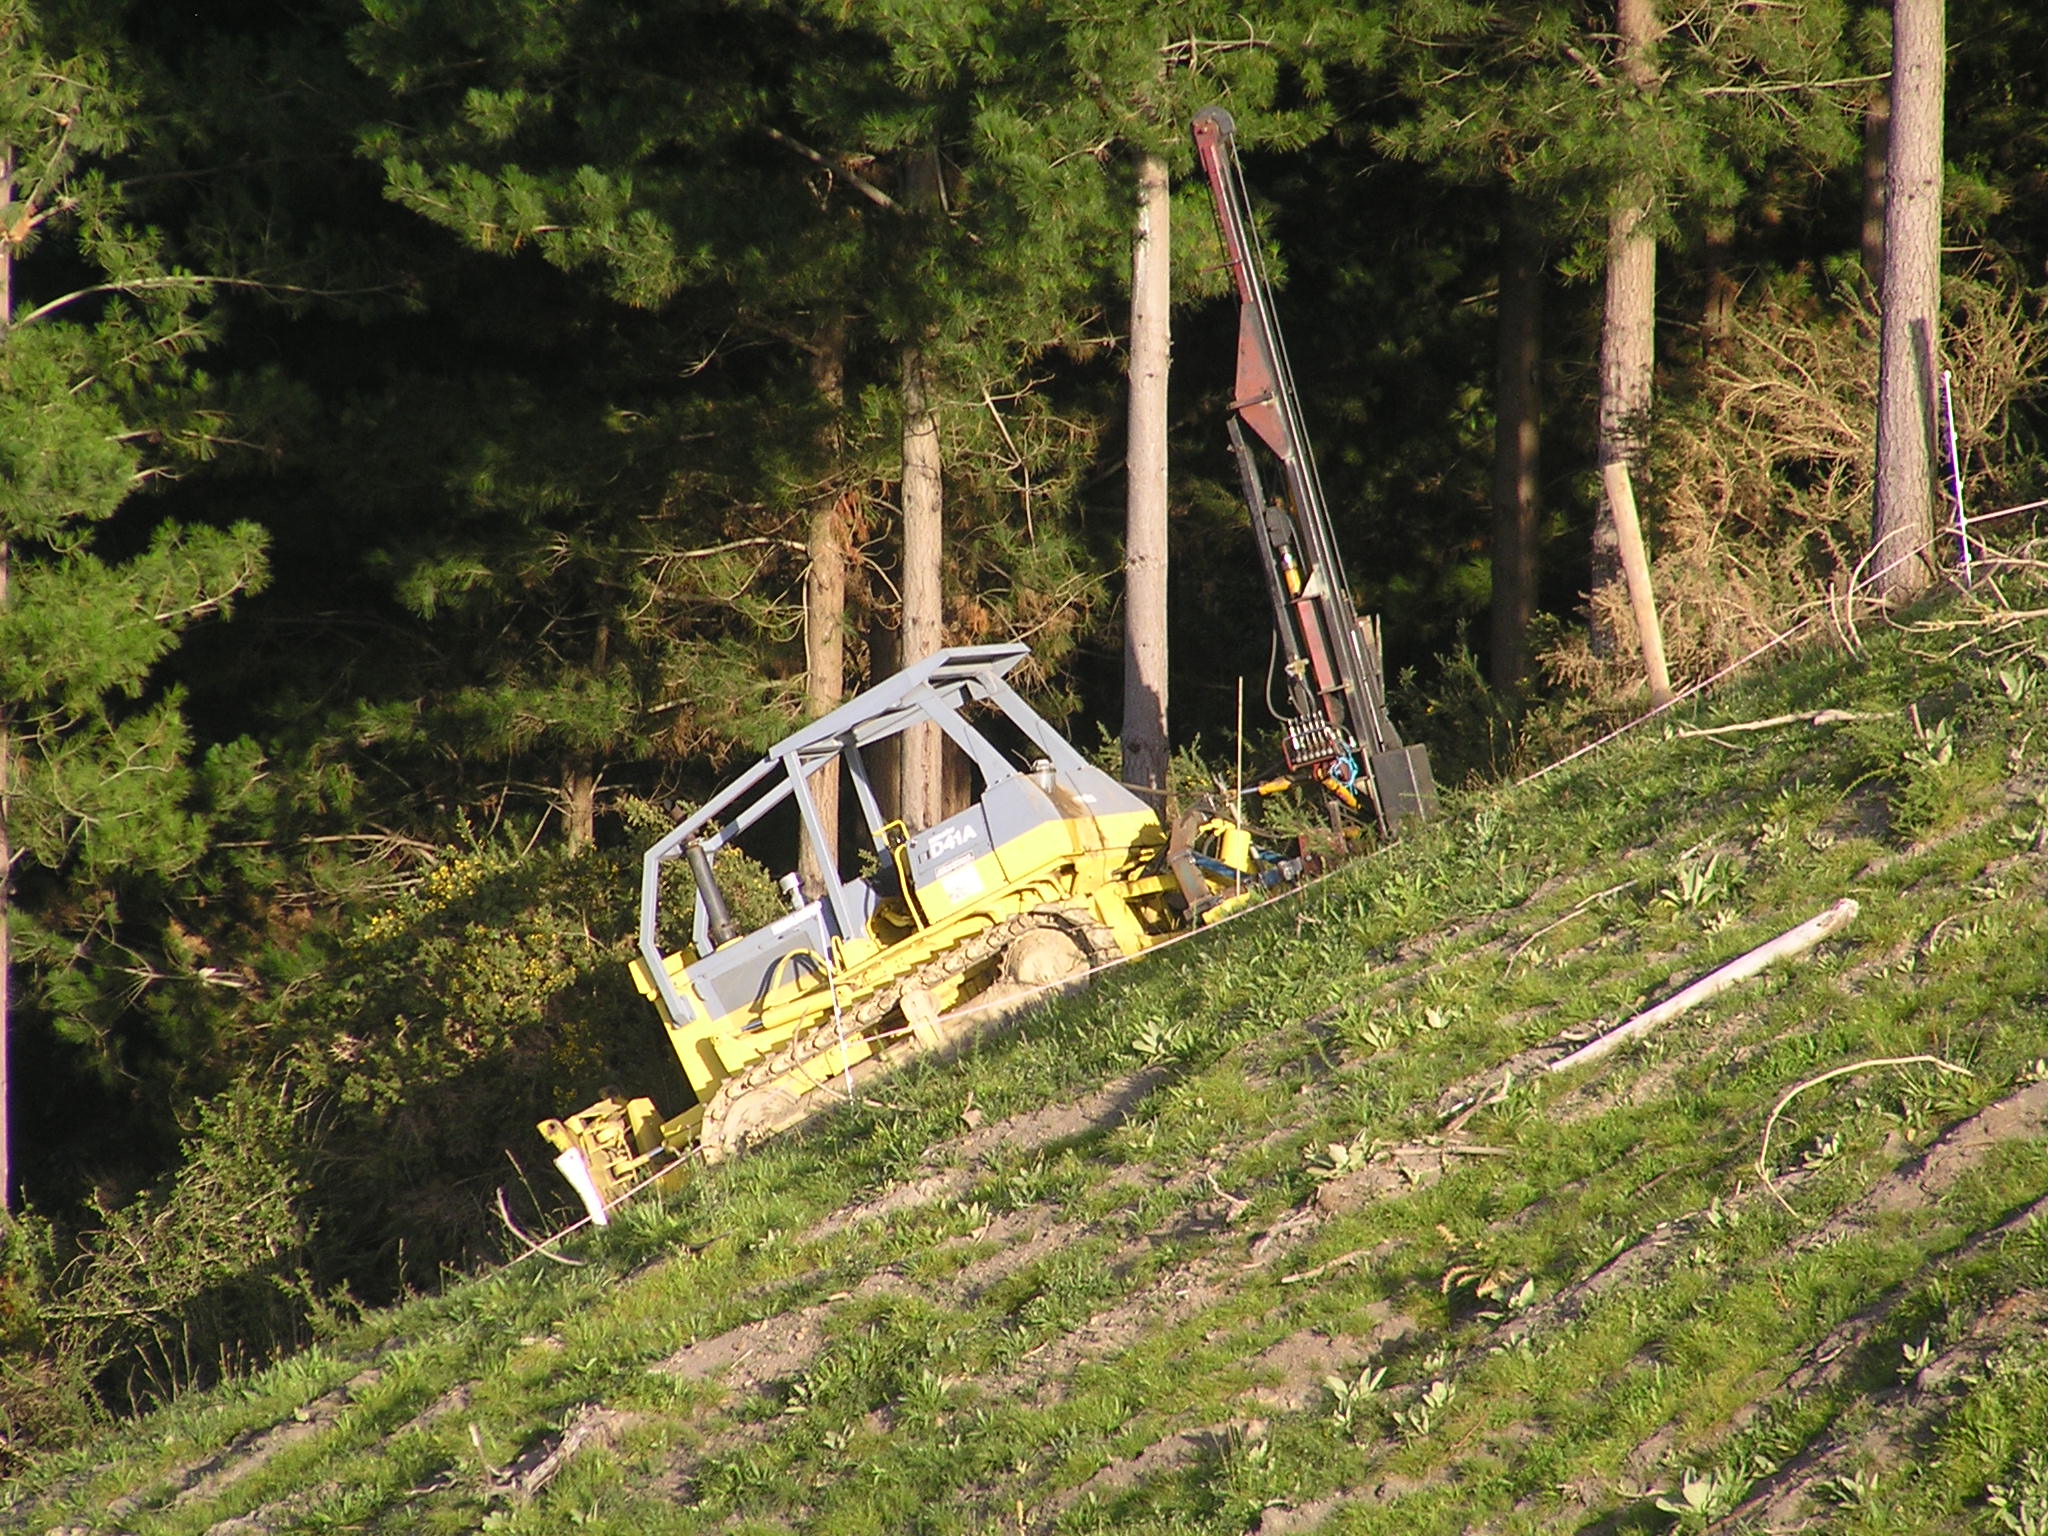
(1287, 1229)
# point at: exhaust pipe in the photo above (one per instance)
(723, 929)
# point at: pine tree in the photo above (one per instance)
(1620, 136)
(647, 541)
(828, 554)
(96, 786)
(1628, 322)
(763, 198)
(1131, 82)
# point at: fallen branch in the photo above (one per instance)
(1989, 517)
(1463, 1112)
(1440, 1149)
(1994, 618)
(1282, 1229)
(1794, 941)
(1818, 717)
(1925, 947)
(1763, 1151)
(1234, 1204)
(1635, 569)
(540, 1466)
(1841, 611)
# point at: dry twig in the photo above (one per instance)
(1341, 1261)
(542, 1246)
(1763, 1151)
(1560, 922)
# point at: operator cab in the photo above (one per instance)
(1008, 774)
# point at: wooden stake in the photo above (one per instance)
(1635, 566)
(1793, 941)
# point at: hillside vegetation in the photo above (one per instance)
(1287, 1228)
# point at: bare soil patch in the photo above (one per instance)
(770, 1349)
(1024, 1238)
(454, 1400)
(1027, 1131)
(1298, 1363)
(1299, 1519)
(929, 1189)
(1176, 1450)
(752, 1354)
(1104, 1110)
(1923, 1180)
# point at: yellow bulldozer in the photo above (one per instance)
(889, 940)
(1045, 867)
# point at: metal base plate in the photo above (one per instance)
(1404, 785)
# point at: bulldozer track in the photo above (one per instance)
(794, 1084)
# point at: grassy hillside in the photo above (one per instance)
(1288, 1229)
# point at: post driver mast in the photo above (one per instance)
(1339, 733)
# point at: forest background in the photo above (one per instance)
(440, 437)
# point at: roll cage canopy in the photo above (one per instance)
(936, 691)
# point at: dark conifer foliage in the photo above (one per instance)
(104, 813)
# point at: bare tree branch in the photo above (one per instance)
(860, 183)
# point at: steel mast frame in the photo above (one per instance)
(1341, 732)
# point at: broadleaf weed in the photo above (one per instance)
(1703, 1497)
(1420, 1417)
(2022, 1505)
(1350, 1395)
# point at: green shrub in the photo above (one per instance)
(492, 995)
(44, 1398)
(203, 1278)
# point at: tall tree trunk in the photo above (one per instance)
(1145, 543)
(883, 642)
(6, 745)
(1628, 328)
(1877, 135)
(923, 629)
(579, 804)
(1517, 444)
(956, 779)
(1628, 331)
(1903, 525)
(825, 666)
(826, 548)
(921, 792)
(580, 772)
